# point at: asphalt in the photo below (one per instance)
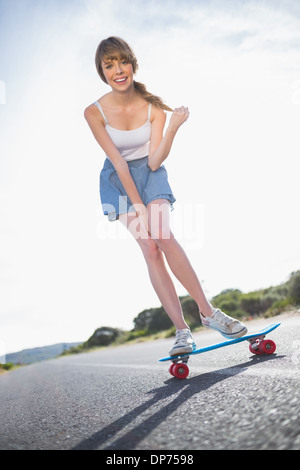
(122, 398)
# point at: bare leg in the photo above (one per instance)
(159, 276)
(174, 253)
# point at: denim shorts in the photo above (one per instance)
(150, 184)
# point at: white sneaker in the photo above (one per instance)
(227, 326)
(184, 343)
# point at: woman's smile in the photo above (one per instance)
(120, 80)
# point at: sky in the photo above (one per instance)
(64, 269)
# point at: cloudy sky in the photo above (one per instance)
(64, 270)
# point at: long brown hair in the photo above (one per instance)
(114, 48)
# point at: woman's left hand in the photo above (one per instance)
(179, 116)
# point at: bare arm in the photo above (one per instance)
(160, 145)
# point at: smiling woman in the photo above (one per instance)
(134, 186)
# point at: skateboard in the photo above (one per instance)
(258, 345)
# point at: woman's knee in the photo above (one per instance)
(165, 244)
(150, 250)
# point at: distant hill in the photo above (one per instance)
(28, 356)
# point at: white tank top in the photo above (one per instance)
(132, 144)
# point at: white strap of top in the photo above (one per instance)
(106, 121)
(101, 111)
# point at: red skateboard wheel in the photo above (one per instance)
(267, 346)
(181, 371)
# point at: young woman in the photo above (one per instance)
(128, 123)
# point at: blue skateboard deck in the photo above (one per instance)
(228, 342)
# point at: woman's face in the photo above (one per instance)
(118, 73)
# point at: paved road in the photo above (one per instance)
(123, 398)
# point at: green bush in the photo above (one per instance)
(135, 334)
(251, 303)
(102, 337)
(294, 284)
(7, 366)
(228, 306)
(279, 306)
(152, 320)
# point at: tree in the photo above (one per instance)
(102, 337)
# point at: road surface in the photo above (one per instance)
(122, 398)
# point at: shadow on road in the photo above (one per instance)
(182, 391)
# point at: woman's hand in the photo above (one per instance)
(143, 229)
(179, 116)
